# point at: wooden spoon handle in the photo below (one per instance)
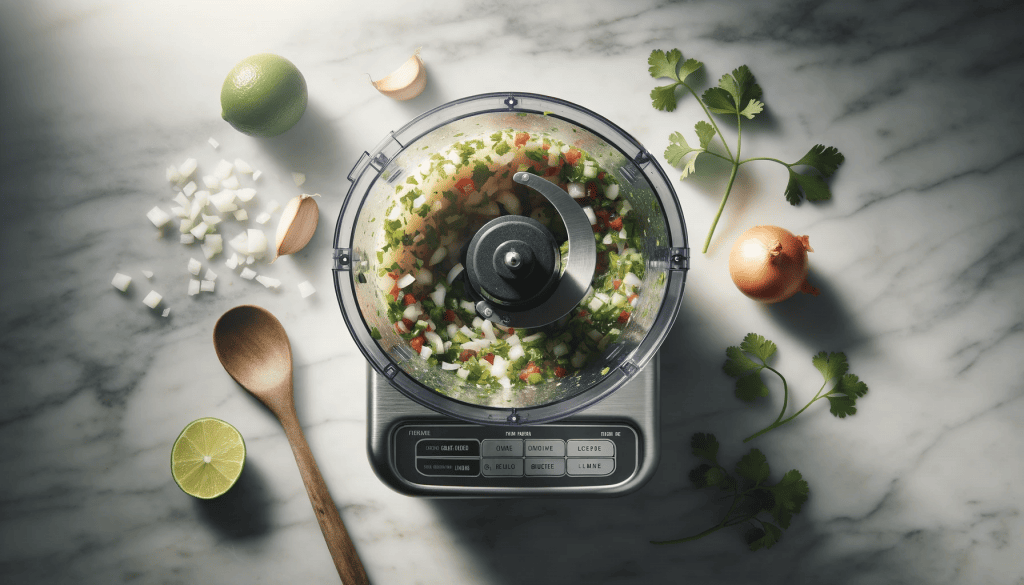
(346, 560)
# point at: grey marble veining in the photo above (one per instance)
(919, 255)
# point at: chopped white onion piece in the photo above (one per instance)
(622, 234)
(173, 176)
(590, 214)
(467, 332)
(618, 300)
(560, 350)
(510, 202)
(212, 183)
(214, 143)
(207, 286)
(478, 323)
(488, 329)
(462, 373)
(426, 352)
(424, 276)
(263, 218)
(468, 306)
(256, 175)
(121, 281)
(188, 167)
(448, 366)
(612, 192)
(577, 190)
(516, 352)
(166, 312)
(152, 299)
(534, 337)
(490, 209)
(577, 360)
(241, 215)
(268, 281)
(452, 329)
(273, 206)
(242, 166)
(224, 201)
(257, 242)
(589, 170)
(631, 279)
(435, 341)
(193, 287)
(449, 169)
(455, 272)
(245, 194)
(182, 200)
(438, 255)
(438, 296)
(412, 311)
(158, 216)
(250, 259)
(211, 220)
(401, 328)
(298, 178)
(194, 266)
(199, 231)
(406, 280)
(505, 382)
(187, 238)
(223, 169)
(634, 302)
(603, 296)
(240, 242)
(147, 273)
(418, 237)
(595, 304)
(232, 262)
(248, 274)
(306, 288)
(210, 275)
(229, 183)
(419, 202)
(513, 340)
(499, 367)
(595, 334)
(607, 240)
(180, 212)
(189, 189)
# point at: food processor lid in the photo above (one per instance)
(667, 256)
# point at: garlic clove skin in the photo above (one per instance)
(298, 222)
(406, 82)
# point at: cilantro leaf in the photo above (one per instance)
(759, 346)
(842, 399)
(481, 172)
(831, 365)
(688, 67)
(764, 538)
(790, 494)
(751, 387)
(664, 64)
(813, 186)
(705, 132)
(753, 466)
(715, 476)
(676, 152)
(737, 93)
(664, 98)
(738, 363)
(825, 159)
(705, 446)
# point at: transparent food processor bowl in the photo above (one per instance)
(359, 236)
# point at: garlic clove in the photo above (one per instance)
(406, 82)
(297, 224)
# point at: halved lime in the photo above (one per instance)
(207, 458)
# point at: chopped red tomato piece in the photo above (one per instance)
(572, 156)
(631, 297)
(408, 299)
(466, 354)
(465, 186)
(511, 330)
(408, 324)
(561, 372)
(395, 292)
(521, 138)
(615, 224)
(624, 317)
(531, 368)
(489, 358)
(449, 315)
(616, 283)
(417, 343)
(551, 171)
(546, 146)
(603, 215)
(592, 190)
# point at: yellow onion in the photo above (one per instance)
(769, 264)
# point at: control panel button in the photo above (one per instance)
(545, 466)
(448, 448)
(545, 448)
(580, 466)
(449, 467)
(502, 447)
(502, 466)
(591, 448)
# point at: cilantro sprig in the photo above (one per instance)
(767, 508)
(737, 95)
(748, 361)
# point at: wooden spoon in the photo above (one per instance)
(253, 347)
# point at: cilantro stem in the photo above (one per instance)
(783, 163)
(779, 423)
(732, 175)
(724, 523)
(712, 120)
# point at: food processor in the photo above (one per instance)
(593, 431)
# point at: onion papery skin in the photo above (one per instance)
(769, 264)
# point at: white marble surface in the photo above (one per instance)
(919, 258)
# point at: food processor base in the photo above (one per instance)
(609, 449)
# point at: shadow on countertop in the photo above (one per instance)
(822, 322)
(244, 511)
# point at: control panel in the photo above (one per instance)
(549, 455)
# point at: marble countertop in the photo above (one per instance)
(919, 257)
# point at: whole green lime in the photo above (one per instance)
(264, 95)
